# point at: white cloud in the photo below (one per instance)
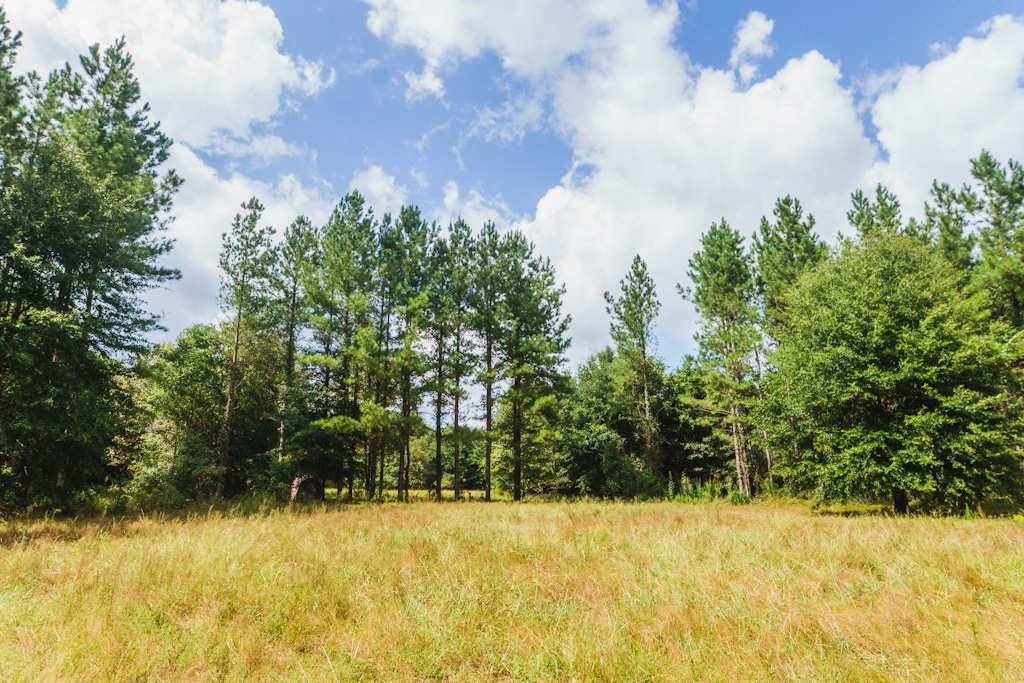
(203, 210)
(424, 84)
(931, 120)
(670, 147)
(211, 69)
(380, 190)
(531, 37)
(509, 123)
(475, 209)
(750, 43)
(263, 148)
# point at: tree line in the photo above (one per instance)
(386, 353)
(342, 342)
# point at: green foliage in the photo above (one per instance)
(188, 381)
(59, 416)
(949, 221)
(246, 262)
(782, 251)
(998, 212)
(529, 463)
(694, 449)
(882, 216)
(600, 453)
(530, 346)
(889, 379)
(738, 498)
(632, 328)
(186, 389)
(723, 294)
(85, 196)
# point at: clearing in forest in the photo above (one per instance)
(537, 591)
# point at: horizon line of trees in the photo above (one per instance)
(391, 353)
(341, 339)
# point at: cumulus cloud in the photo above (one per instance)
(932, 119)
(380, 190)
(510, 122)
(751, 43)
(203, 211)
(211, 69)
(668, 146)
(213, 72)
(423, 84)
(531, 37)
(474, 208)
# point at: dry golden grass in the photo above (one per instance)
(552, 591)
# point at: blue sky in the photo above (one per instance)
(602, 129)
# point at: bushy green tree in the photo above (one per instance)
(186, 384)
(695, 451)
(601, 451)
(85, 197)
(892, 381)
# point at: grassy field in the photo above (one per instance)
(544, 591)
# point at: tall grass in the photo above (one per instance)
(567, 591)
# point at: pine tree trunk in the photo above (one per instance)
(224, 442)
(488, 399)
(403, 446)
(455, 445)
(736, 451)
(742, 464)
(648, 428)
(289, 371)
(517, 443)
(764, 432)
(438, 466)
(381, 459)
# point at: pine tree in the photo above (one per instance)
(292, 263)
(782, 251)
(998, 210)
(486, 299)
(439, 325)
(340, 295)
(723, 294)
(85, 199)
(632, 328)
(245, 261)
(531, 343)
(412, 281)
(461, 254)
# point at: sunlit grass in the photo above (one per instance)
(545, 591)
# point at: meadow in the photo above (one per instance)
(536, 591)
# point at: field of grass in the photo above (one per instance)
(542, 591)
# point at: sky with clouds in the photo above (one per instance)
(602, 129)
